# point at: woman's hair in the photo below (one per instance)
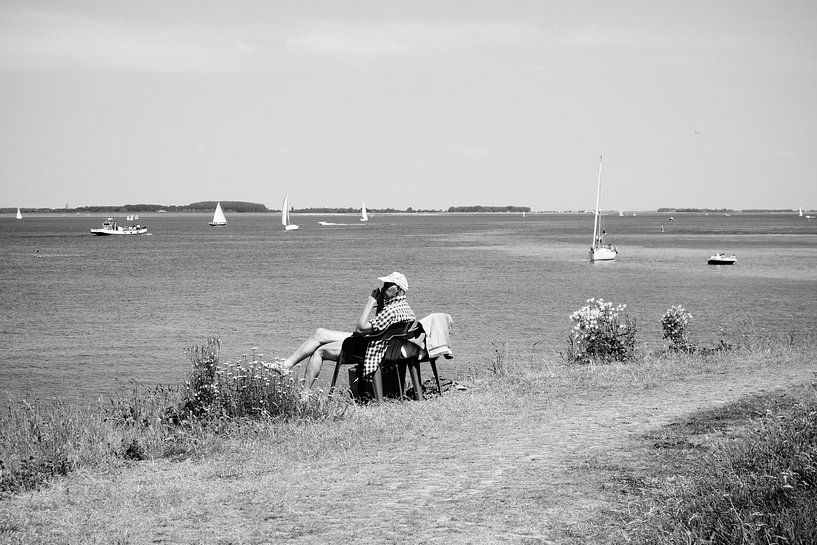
(381, 300)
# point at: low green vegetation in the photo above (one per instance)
(758, 486)
(43, 439)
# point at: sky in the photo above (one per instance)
(422, 104)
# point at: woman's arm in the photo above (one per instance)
(363, 324)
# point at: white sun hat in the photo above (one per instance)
(396, 278)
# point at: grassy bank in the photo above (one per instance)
(664, 449)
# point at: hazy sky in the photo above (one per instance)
(428, 104)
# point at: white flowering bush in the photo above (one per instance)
(246, 388)
(674, 324)
(601, 332)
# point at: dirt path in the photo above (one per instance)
(537, 472)
(517, 476)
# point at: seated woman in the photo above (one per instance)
(325, 344)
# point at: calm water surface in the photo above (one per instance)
(84, 314)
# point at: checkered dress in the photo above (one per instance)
(395, 310)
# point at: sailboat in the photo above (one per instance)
(801, 212)
(599, 251)
(363, 215)
(218, 217)
(285, 215)
(20, 216)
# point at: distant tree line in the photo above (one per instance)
(326, 210)
(228, 206)
(471, 209)
(203, 206)
(695, 210)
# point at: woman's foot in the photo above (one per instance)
(277, 366)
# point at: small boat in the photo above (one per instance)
(19, 215)
(800, 212)
(110, 227)
(523, 214)
(285, 215)
(599, 251)
(363, 215)
(722, 259)
(218, 217)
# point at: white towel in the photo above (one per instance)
(437, 327)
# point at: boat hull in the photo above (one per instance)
(721, 261)
(291, 227)
(603, 254)
(218, 223)
(121, 231)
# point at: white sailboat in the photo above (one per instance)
(218, 217)
(20, 216)
(363, 215)
(801, 212)
(599, 251)
(285, 215)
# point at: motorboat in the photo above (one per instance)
(722, 259)
(110, 227)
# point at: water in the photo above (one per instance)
(90, 313)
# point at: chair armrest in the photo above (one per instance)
(405, 330)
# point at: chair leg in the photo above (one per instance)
(436, 376)
(414, 370)
(400, 370)
(334, 378)
(377, 384)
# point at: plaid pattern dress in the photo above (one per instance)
(395, 310)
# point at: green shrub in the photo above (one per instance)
(247, 389)
(601, 332)
(674, 324)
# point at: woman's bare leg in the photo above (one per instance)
(328, 351)
(308, 348)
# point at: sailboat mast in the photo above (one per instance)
(596, 217)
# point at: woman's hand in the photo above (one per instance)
(375, 294)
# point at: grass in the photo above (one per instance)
(532, 448)
(756, 484)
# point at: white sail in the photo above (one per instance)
(801, 212)
(599, 251)
(285, 215)
(218, 217)
(20, 216)
(363, 215)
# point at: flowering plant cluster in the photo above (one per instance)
(674, 323)
(246, 388)
(601, 332)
